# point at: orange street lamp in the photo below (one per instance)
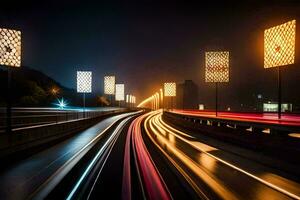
(279, 50)
(217, 69)
(170, 91)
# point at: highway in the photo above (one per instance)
(29, 177)
(216, 174)
(137, 155)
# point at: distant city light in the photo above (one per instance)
(217, 66)
(273, 107)
(120, 92)
(84, 81)
(259, 96)
(109, 84)
(127, 98)
(279, 45)
(10, 47)
(54, 91)
(201, 106)
(170, 89)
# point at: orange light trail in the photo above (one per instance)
(155, 122)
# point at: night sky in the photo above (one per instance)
(146, 44)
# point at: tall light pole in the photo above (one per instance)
(84, 85)
(109, 86)
(170, 91)
(279, 50)
(157, 100)
(130, 100)
(134, 101)
(120, 93)
(216, 70)
(127, 100)
(10, 56)
(161, 98)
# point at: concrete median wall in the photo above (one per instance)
(26, 138)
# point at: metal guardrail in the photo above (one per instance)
(27, 118)
(256, 126)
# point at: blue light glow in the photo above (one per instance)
(61, 103)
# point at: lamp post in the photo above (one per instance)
(133, 101)
(161, 98)
(84, 85)
(120, 93)
(170, 91)
(279, 50)
(10, 56)
(109, 86)
(216, 70)
(157, 100)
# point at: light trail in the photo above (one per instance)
(156, 120)
(44, 189)
(270, 118)
(153, 185)
(110, 142)
(188, 162)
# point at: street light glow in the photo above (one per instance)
(61, 103)
(279, 45)
(10, 47)
(84, 81)
(144, 102)
(109, 84)
(170, 89)
(127, 98)
(120, 92)
(217, 66)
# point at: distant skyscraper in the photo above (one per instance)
(187, 95)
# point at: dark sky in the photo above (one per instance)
(147, 43)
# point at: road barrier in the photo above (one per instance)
(29, 137)
(245, 134)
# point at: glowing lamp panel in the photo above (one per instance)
(84, 82)
(170, 89)
(109, 84)
(119, 92)
(10, 47)
(279, 45)
(217, 66)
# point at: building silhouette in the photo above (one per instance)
(187, 95)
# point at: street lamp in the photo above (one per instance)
(217, 69)
(10, 56)
(119, 93)
(170, 91)
(161, 98)
(279, 50)
(54, 91)
(127, 100)
(109, 86)
(157, 100)
(84, 84)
